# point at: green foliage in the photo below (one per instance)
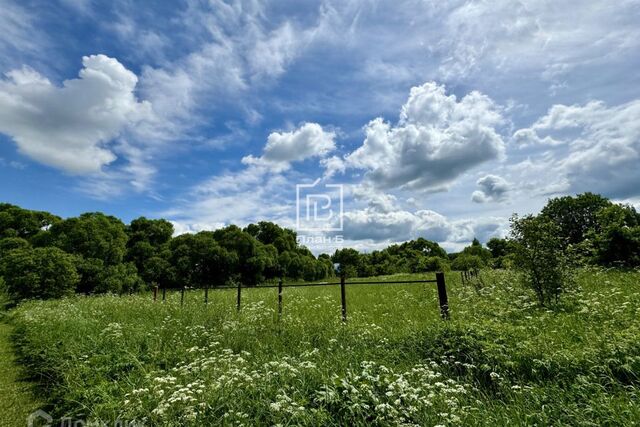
(539, 255)
(617, 241)
(10, 243)
(435, 263)
(574, 216)
(23, 223)
(119, 278)
(38, 273)
(91, 235)
(467, 262)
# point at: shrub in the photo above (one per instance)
(435, 263)
(540, 256)
(466, 262)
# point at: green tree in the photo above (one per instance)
(467, 262)
(435, 263)
(23, 223)
(616, 243)
(120, 278)
(539, 255)
(156, 232)
(10, 243)
(349, 260)
(38, 273)
(574, 216)
(92, 235)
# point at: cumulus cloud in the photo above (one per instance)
(492, 189)
(283, 148)
(383, 220)
(601, 149)
(71, 127)
(437, 139)
(376, 226)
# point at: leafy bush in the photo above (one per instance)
(466, 262)
(539, 254)
(435, 263)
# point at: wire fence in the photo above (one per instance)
(443, 300)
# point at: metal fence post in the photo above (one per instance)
(182, 295)
(239, 295)
(206, 294)
(343, 297)
(279, 299)
(164, 293)
(155, 293)
(442, 296)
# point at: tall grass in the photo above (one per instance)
(499, 360)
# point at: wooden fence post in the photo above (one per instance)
(442, 296)
(462, 277)
(239, 295)
(155, 293)
(182, 296)
(164, 293)
(343, 297)
(206, 294)
(279, 299)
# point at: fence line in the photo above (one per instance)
(439, 281)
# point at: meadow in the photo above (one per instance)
(500, 360)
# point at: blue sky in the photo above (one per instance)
(439, 118)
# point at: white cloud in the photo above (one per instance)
(535, 36)
(71, 127)
(249, 195)
(234, 48)
(601, 151)
(283, 148)
(437, 139)
(492, 189)
(382, 220)
(528, 137)
(20, 34)
(373, 226)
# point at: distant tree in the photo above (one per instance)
(501, 252)
(158, 270)
(435, 263)
(574, 216)
(349, 260)
(540, 256)
(90, 271)
(499, 247)
(23, 223)
(10, 243)
(269, 233)
(38, 273)
(199, 260)
(120, 278)
(92, 235)
(467, 262)
(616, 243)
(156, 232)
(476, 249)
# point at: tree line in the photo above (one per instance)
(45, 256)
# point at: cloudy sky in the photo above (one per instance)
(440, 118)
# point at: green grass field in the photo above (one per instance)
(16, 397)
(500, 360)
